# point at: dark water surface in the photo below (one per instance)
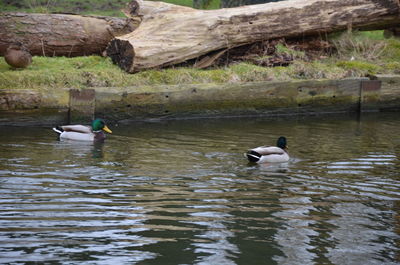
(181, 192)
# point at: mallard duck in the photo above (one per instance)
(18, 56)
(269, 154)
(82, 132)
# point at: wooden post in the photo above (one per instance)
(370, 92)
(81, 105)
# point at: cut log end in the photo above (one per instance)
(169, 35)
(122, 53)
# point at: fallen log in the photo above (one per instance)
(172, 37)
(61, 34)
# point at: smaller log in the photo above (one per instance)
(61, 34)
(18, 56)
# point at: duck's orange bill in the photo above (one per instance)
(106, 129)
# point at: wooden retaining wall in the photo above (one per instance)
(47, 106)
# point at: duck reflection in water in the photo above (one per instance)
(82, 148)
(97, 151)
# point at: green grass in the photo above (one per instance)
(86, 7)
(280, 48)
(360, 45)
(96, 71)
(360, 68)
(367, 52)
(356, 54)
(97, 7)
(392, 51)
(92, 71)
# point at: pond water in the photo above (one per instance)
(181, 192)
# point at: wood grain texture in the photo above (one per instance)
(170, 35)
(61, 34)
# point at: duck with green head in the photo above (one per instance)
(269, 154)
(92, 133)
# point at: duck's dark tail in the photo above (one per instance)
(253, 156)
(58, 129)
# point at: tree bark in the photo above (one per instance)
(61, 34)
(168, 38)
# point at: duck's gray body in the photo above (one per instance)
(79, 133)
(267, 154)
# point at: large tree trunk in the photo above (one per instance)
(61, 34)
(168, 38)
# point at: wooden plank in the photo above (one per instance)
(370, 94)
(82, 105)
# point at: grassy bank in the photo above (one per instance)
(355, 55)
(87, 7)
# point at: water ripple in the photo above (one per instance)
(180, 192)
